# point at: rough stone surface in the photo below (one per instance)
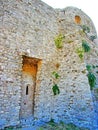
(28, 28)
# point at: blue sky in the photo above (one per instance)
(90, 7)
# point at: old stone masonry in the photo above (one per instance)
(48, 64)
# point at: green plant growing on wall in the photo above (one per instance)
(85, 46)
(80, 52)
(91, 79)
(59, 41)
(55, 74)
(40, 128)
(9, 128)
(89, 68)
(91, 76)
(55, 89)
(93, 66)
(93, 37)
(85, 28)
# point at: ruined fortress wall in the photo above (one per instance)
(92, 60)
(25, 26)
(73, 15)
(28, 28)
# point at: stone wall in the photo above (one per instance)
(92, 59)
(28, 28)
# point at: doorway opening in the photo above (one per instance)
(29, 74)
